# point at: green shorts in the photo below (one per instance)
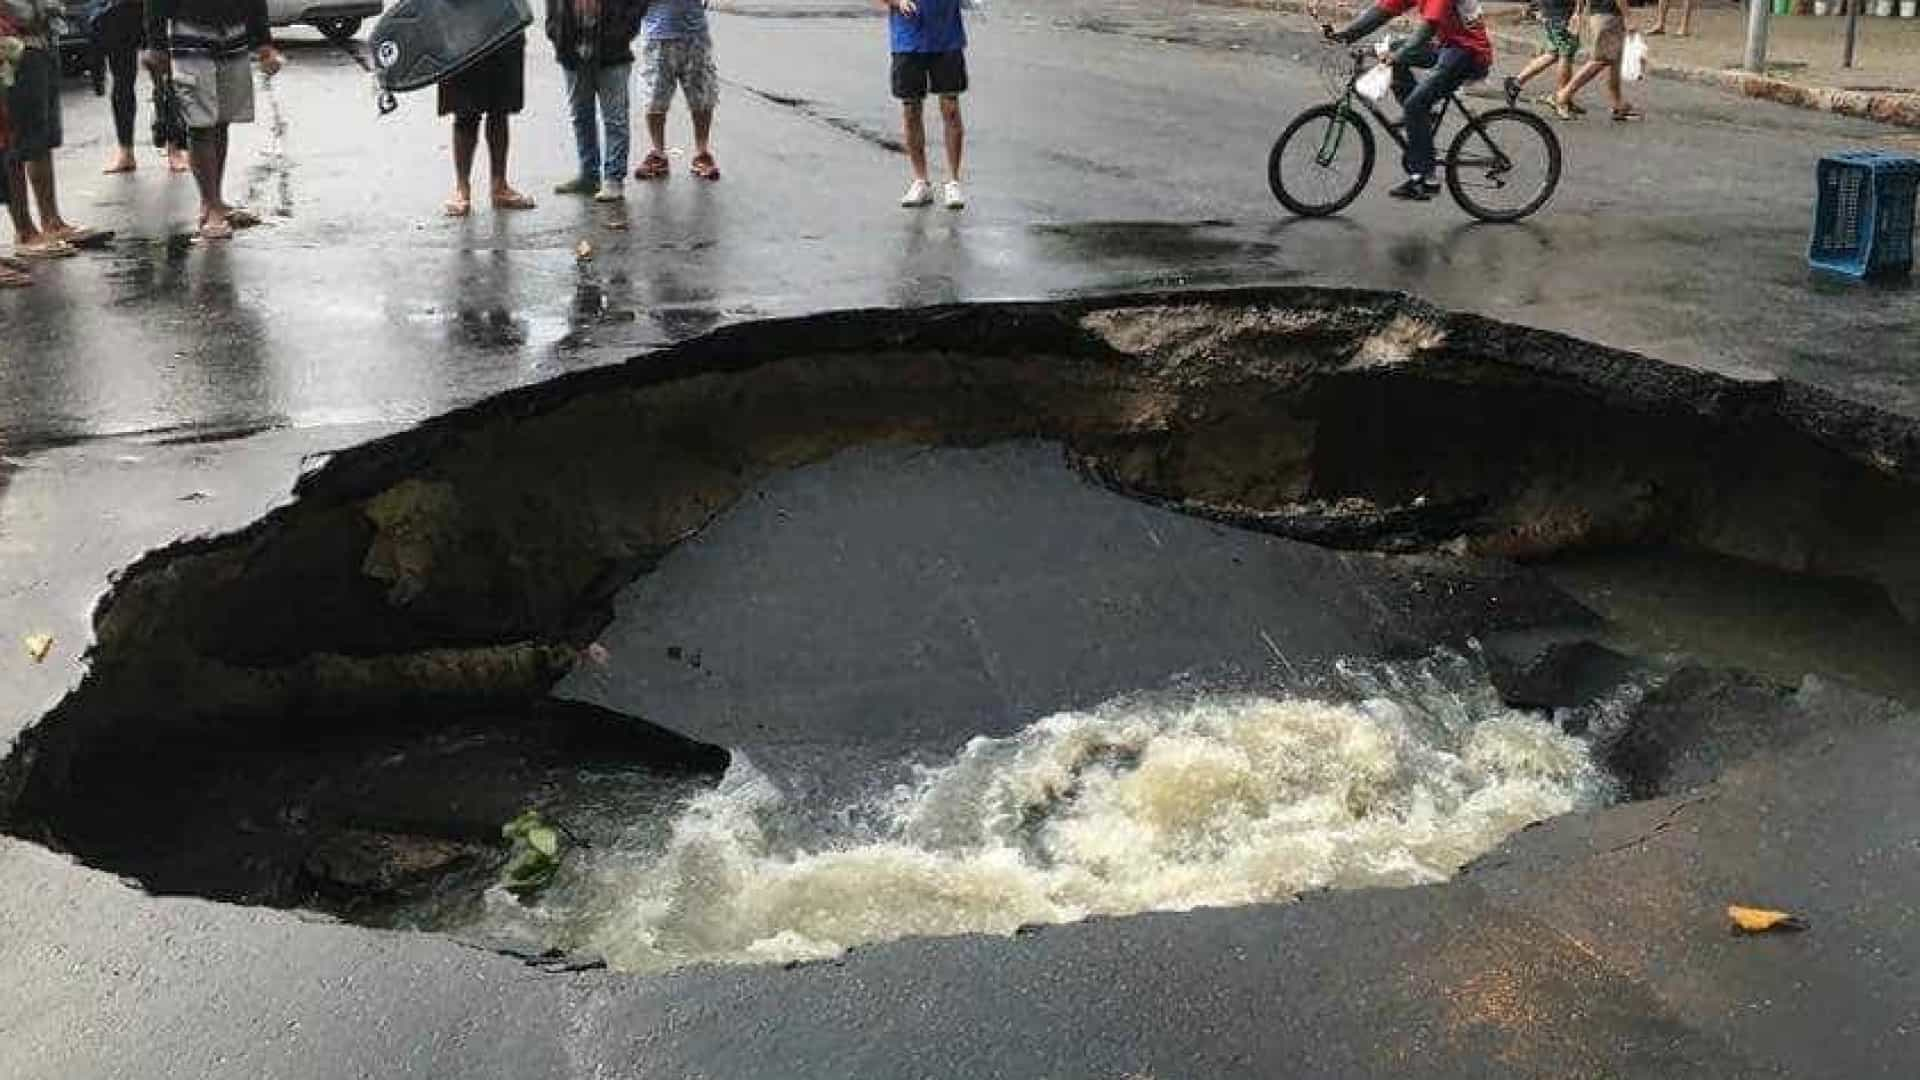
(1561, 40)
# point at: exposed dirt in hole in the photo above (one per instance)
(433, 586)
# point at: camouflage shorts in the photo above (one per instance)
(686, 63)
(1561, 40)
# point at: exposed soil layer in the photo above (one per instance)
(423, 593)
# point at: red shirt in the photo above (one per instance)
(1458, 23)
(1455, 22)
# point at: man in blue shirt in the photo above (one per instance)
(929, 56)
(679, 55)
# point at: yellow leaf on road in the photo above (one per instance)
(39, 645)
(1760, 920)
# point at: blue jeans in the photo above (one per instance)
(1452, 67)
(608, 87)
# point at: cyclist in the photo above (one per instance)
(1452, 41)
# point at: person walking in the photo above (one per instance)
(679, 54)
(929, 45)
(593, 42)
(33, 118)
(1686, 19)
(1560, 47)
(202, 46)
(495, 88)
(1608, 23)
(119, 34)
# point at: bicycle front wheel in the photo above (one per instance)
(1504, 166)
(1321, 161)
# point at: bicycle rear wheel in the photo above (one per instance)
(1505, 167)
(1321, 161)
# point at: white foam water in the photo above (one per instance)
(1139, 805)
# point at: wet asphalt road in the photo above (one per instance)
(1683, 237)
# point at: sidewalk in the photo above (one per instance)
(1803, 55)
(1803, 58)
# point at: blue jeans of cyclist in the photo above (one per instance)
(1451, 68)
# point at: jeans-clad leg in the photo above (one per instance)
(615, 117)
(586, 129)
(1454, 67)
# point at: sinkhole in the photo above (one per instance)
(817, 633)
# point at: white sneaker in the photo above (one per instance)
(610, 191)
(919, 193)
(955, 199)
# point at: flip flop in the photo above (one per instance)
(83, 237)
(513, 201)
(458, 207)
(218, 229)
(58, 249)
(705, 167)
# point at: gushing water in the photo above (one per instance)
(1138, 805)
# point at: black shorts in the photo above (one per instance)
(497, 84)
(915, 75)
(33, 106)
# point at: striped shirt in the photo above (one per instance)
(191, 39)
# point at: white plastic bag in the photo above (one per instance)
(1633, 59)
(1373, 85)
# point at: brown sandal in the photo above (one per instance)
(652, 167)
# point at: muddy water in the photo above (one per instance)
(1721, 611)
(1142, 804)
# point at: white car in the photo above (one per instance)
(338, 19)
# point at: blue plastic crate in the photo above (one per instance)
(1863, 221)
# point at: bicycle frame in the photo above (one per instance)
(1330, 143)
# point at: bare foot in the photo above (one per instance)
(121, 162)
(177, 160)
(458, 206)
(214, 226)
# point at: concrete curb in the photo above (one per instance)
(1902, 110)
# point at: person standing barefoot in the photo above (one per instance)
(494, 88)
(929, 56)
(119, 34)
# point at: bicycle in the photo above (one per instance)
(1478, 161)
